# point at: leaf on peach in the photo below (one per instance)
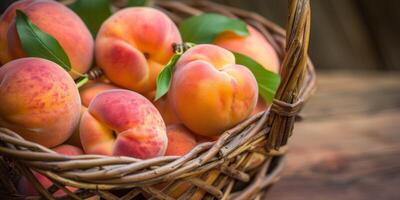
(267, 81)
(203, 29)
(165, 77)
(37, 43)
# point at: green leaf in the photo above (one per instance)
(92, 12)
(165, 77)
(37, 43)
(136, 3)
(205, 28)
(268, 82)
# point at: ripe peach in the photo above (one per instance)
(261, 105)
(164, 107)
(123, 123)
(133, 46)
(90, 90)
(68, 150)
(209, 92)
(254, 45)
(39, 100)
(26, 188)
(180, 140)
(55, 19)
(75, 139)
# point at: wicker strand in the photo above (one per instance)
(228, 159)
(293, 68)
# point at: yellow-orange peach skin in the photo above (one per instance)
(209, 92)
(254, 46)
(164, 107)
(39, 100)
(133, 46)
(75, 139)
(90, 90)
(26, 188)
(261, 106)
(123, 123)
(180, 140)
(55, 19)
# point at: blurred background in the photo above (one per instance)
(348, 145)
(346, 34)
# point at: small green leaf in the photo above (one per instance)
(165, 77)
(37, 43)
(205, 28)
(136, 3)
(92, 12)
(268, 82)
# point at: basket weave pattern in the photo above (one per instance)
(214, 170)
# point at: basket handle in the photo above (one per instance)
(288, 99)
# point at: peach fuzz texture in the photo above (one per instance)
(163, 105)
(180, 140)
(26, 188)
(254, 46)
(75, 139)
(133, 46)
(209, 92)
(123, 123)
(39, 101)
(55, 19)
(91, 89)
(261, 106)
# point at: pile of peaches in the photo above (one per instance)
(117, 114)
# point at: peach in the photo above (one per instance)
(180, 140)
(133, 45)
(90, 90)
(164, 107)
(254, 46)
(261, 105)
(39, 100)
(68, 150)
(123, 123)
(75, 138)
(209, 92)
(55, 19)
(26, 188)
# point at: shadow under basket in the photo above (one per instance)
(242, 164)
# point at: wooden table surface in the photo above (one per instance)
(348, 145)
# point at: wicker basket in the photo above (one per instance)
(225, 169)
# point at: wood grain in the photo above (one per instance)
(348, 146)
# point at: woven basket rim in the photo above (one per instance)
(125, 172)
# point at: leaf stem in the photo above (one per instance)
(82, 81)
